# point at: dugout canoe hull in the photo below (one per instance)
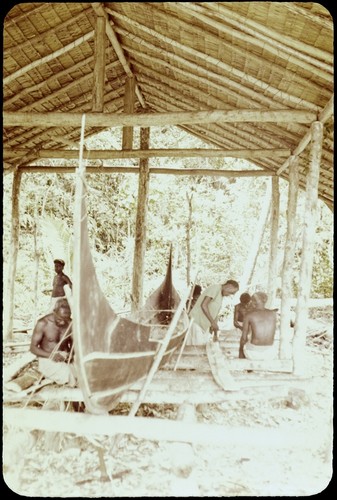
(113, 352)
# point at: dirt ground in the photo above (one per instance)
(40, 464)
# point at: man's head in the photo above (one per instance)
(229, 288)
(259, 300)
(245, 298)
(62, 309)
(59, 265)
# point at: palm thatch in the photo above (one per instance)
(264, 61)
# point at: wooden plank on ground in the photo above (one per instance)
(219, 367)
(180, 389)
(194, 361)
(10, 371)
(156, 429)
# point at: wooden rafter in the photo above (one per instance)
(8, 79)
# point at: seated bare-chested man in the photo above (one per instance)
(258, 330)
(51, 342)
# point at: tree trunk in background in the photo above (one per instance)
(141, 217)
(15, 230)
(308, 242)
(289, 254)
(247, 275)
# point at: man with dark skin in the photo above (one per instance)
(260, 325)
(241, 309)
(60, 279)
(51, 342)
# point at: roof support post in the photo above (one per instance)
(99, 70)
(13, 255)
(308, 241)
(141, 218)
(289, 254)
(129, 106)
(275, 216)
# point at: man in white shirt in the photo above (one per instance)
(206, 310)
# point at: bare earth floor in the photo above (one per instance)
(56, 465)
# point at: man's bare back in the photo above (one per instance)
(259, 325)
(263, 325)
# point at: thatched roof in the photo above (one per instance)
(184, 56)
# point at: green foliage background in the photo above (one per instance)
(224, 220)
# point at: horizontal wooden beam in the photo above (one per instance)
(156, 429)
(111, 154)
(56, 119)
(51, 169)
(323, 117)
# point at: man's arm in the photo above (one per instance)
(36, 340)
(244, 335)
(204, 306)
(237, 323)
(68, 281)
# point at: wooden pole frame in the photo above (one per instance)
(273, 258)
(103, 169)
(99, 69)
(129, 106)
(287, 268)
(112, 154)
(13, 255)
(56, 119)
(309, 231)
(140, 229)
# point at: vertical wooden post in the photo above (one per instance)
(99, 70)
(289, 254)
(15, 231)
(141, 218)
(129, 105)
(308, 241)
(188, 238)
(275, 215)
